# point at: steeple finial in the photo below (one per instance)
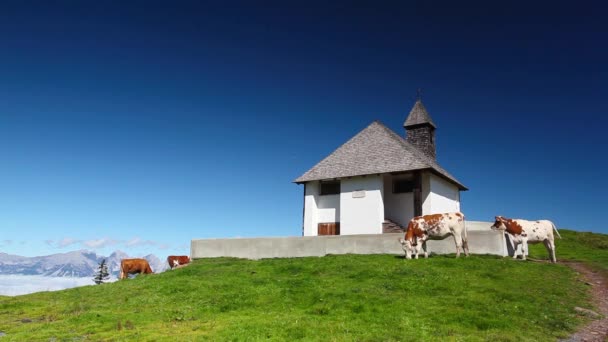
(418, 94)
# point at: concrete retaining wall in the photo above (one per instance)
(482, 240)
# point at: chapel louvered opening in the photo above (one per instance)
(332, 228)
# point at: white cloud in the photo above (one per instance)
(108, 242)
(6, 242)
(65, 242)
(100, 243)
(136, 241)
(92, 243)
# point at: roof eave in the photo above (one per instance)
(419, 124)
(460, 186)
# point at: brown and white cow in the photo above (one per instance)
(435, 226)
(177, 260)
(133, 266)
(524, 232)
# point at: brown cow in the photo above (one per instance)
(177, 260)
(133, 266)
(435, 226)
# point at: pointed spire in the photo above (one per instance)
(418, 115)
(420, 129)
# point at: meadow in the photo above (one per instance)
(333, 298)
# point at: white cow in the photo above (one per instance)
(437, 226)
(524, 232)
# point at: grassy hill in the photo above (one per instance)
(334, 298)
(590, 248)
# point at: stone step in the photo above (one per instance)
(389, 226)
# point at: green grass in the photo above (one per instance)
(591, 248)
(334, 298)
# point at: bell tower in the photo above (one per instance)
(420, 130)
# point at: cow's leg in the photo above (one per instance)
(458, 242)
(419, 245)
(524, 248)
(426, 255)
(414, 247)
(515, 248)
(550, 249)
(465, 246)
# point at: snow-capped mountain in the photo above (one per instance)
(156, 264)
(81, 263)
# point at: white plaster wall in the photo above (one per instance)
(444, 196)
(426, 193)
(397, 207)
(328, 208)
(361, 215)
(310, 209)
(365, 215)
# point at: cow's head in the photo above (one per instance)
(405, 243)
(407, 247)
(499, 223)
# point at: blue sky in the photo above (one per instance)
(141, 125)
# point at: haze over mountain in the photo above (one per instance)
(80, 263)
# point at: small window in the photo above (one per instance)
(402, 186)
(330, 188)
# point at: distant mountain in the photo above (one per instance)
(81, 263)
(157, 264)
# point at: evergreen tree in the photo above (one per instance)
(102, 273)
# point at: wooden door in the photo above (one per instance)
(332, 228)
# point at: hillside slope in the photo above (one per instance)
(591, 248)
(344, 298)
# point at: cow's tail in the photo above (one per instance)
(554, 228)
(122, 272)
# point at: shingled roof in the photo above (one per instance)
(418, 115)
(374, 150)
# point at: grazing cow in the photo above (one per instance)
(133, 266)
(435, 226)
(177, 260)
(524, 232)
